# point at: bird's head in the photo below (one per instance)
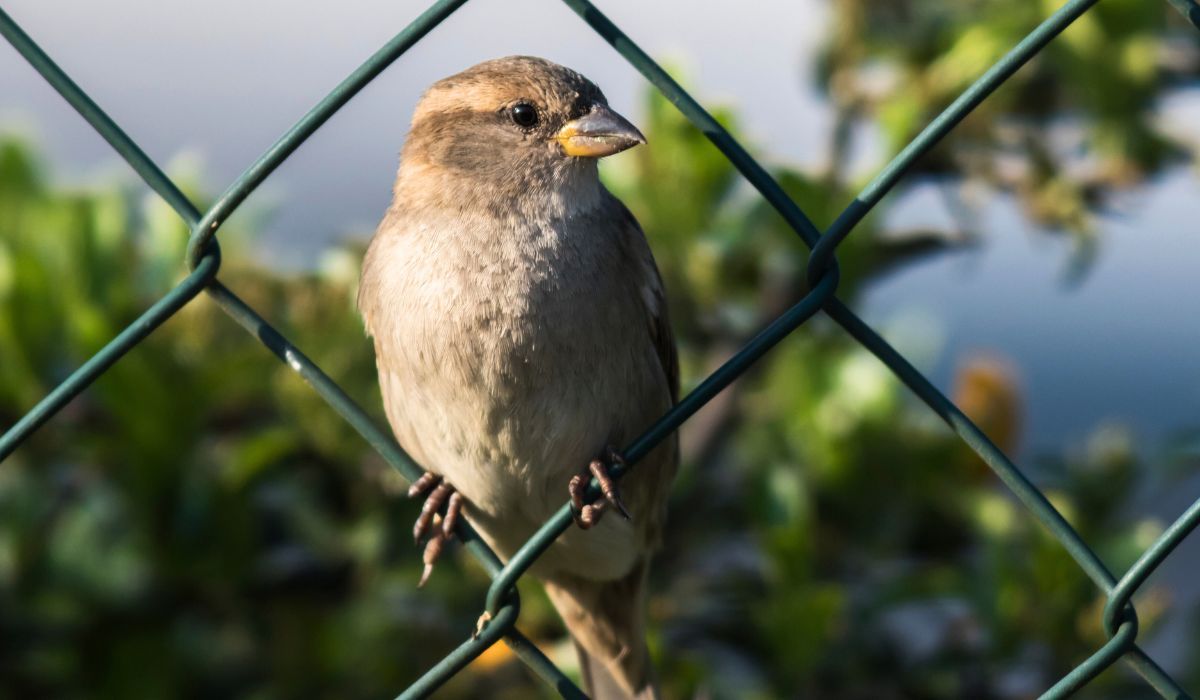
(516, 122)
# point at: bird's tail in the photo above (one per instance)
(606, 621)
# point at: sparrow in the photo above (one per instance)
(521, 335)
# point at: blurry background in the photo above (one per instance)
(200, 524)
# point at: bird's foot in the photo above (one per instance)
(587, 515)
(430, 522)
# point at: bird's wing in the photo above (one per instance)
(374, 292)
(606, 619)
(648, 484)
(653, 297)
(607, 622)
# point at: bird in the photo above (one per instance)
(521, 336)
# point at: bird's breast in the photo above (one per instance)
(514, 360)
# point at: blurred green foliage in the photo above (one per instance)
(199, 524)
(1075, 124)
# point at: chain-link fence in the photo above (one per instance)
(503, 604)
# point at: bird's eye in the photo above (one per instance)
(524, 115)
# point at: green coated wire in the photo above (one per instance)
(542, 666)
(1008, 473)
(694, 401)
(1095, 664)
(1190, 9)
(874, 192)
(105, 126)
(313, 120)
(340, 401)
(161, 310)
(870, 196)
(994, 77)
(455, 661)
(1156, 554)
(114, 350)
(204, 275)
(676, 95)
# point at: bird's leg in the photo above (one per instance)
(440, 493)
(587, 515)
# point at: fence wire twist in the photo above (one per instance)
(502, 603)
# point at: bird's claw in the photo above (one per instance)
(420, 486)
(430, 522)
(481, 623)
(588, 514)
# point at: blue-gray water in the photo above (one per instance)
(221, 80)
(1118, 345)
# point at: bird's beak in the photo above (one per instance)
(601, 132)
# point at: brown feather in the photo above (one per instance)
(606, 620)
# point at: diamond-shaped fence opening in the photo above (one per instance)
(503, 603)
